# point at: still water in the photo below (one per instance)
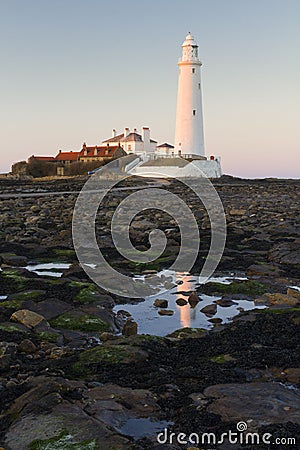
(48, 269)
(150, 322)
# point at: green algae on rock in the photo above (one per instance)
(81, 322)
(109, 354)
(62, 442)
(65, 253)
(221, 359)
(48, 336)
(87, 294)
(248, 287)
(187, 333)
(12, 328)
(15, 280)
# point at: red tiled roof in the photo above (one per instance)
(101, 151)
(67, 156)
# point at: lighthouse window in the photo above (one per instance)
(199, 86)
(194, 112)
(193, 70)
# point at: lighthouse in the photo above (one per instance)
(186, 159)
(189, 138)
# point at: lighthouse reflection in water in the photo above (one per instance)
(185, 286)
(151, 322)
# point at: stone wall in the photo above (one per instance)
(210, 169)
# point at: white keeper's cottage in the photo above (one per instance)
(133, 142)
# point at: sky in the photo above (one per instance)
(72, 70)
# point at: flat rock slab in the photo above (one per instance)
(294, 293)
(13, 260)
(95, 415)
(64, 416)
(225, 303)
(281, 299)
(48, 308)
(265, 403)
(264, 270)
(27, 318)
(112, 404)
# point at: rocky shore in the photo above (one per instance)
(76, 375)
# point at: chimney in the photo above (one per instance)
(146, 138)
(114, 132)
(134, 130)
(126, 132)
(84, 149)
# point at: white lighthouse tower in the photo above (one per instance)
(186, 159)
(189, 137)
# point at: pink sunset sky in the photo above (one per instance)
(73, 70)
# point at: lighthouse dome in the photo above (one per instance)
(189, 40)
